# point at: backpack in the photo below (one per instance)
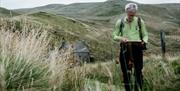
(140, 31)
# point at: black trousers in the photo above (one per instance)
(132, 53)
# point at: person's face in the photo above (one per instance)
(131, 13)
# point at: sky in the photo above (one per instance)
(16, 4)
(156, 1)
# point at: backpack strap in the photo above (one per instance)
(140, 29)
(121, 27)
(140, 33)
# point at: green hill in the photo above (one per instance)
(5, 12)
(100, 18)
(47, 8)
(73, 30)
(109, 10)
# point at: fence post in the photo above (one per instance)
(163, 44)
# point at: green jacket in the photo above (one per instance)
(130, 31)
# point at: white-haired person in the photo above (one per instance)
(132, 34)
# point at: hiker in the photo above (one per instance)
(131, 32)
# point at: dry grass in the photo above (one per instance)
(159, 75)
(28, 63)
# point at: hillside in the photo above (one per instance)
(108, 8)
(72, 30)
(46, 8)
(5, 12)
(110, 11)
(100, 18)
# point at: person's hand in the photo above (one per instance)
(117, 61)
(142, 42)
(124, 40)
(143, 45)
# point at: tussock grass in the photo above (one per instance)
(159, 75)
(27, 63)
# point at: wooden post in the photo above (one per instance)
(163, 45)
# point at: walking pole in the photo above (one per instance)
(124, 50)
